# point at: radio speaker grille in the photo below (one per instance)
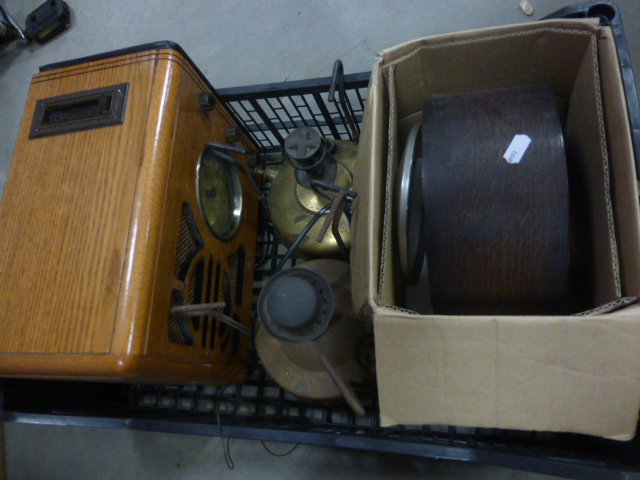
(210, 280)
(190, 242)
(179, 331)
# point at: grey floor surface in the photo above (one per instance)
(235, 43)
(70, 453)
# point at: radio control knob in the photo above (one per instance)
(206, 101)
(232, 134)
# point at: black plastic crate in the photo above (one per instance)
(258, 408)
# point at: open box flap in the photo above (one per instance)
(573, 374)
(367, 218)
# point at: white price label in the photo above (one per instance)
(516, 148)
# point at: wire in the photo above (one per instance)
(226, 441)
(268, 244)
(219, 151)
(317, 188)
(334, 188)
(227, 453)
(279, 454)
(226, 445)
(303, 234)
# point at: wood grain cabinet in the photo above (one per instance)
(102, 230)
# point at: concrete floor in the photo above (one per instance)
(70, 453)
(236, 43)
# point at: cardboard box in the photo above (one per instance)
(552, 373)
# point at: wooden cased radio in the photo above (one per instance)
(113, 213)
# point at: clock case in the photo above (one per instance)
(102, 231)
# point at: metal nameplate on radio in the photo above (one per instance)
(79, 111)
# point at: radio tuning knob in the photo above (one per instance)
(206, 101)
(232, 134)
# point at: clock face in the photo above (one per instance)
(220, 195)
